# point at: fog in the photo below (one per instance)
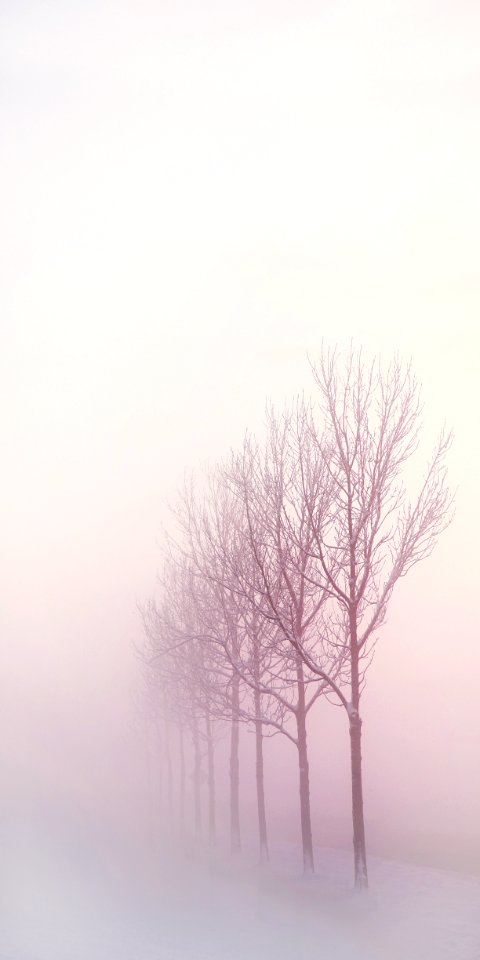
(193, 198)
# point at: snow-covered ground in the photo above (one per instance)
(410, 912)
(63, 901)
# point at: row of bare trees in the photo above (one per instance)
(278, 578)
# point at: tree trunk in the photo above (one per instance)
(235, 769)
(305, 815)
(262, 818)
(359, 846)
(160, 779)
(211, 779)
(197, 775)
(150, 819)
(182, 779)
(168, 757)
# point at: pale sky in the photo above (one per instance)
(192, 196)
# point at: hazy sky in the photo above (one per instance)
(192, 196)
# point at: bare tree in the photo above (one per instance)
(212, 622)
(272, 571)
(232, 623)
(367, 535)
(175, 666)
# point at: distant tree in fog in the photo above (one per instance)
(218, 626)
(207, 685)
(163, 671)
(180, 673)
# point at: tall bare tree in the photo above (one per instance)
(367, 534)
(272, 571)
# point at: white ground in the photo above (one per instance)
(63, 901)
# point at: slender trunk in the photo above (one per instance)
(160, 780)
(262, 818)
(197, 775)
(150, 821)
(168, 756)
(305, 815)
(182, 778)
(235, 768)
(359, 846)
(211, 779)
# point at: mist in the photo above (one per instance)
(195, 200)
